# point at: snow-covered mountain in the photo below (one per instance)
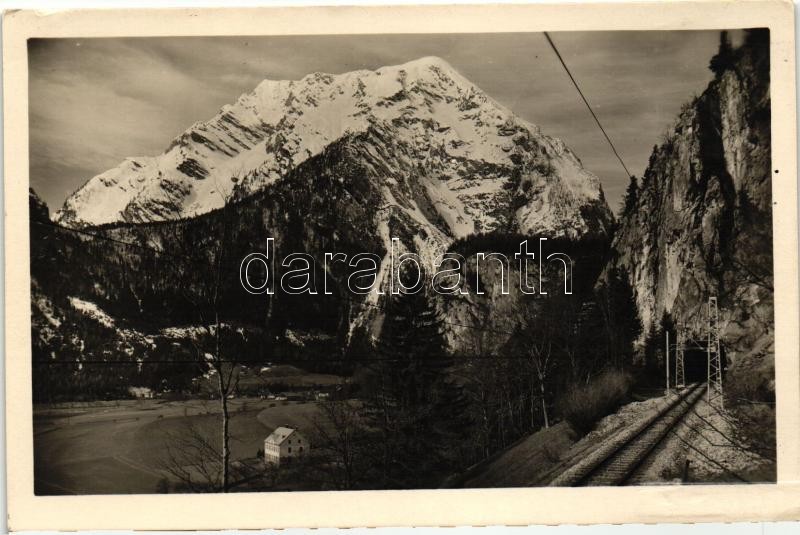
(480, 168)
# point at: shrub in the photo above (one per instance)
(583, 405)
(162, 486)
(751, 384)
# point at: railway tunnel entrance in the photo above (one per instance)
(695, 362)
(699, 353)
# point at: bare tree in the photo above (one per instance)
(485, 382)
(338, 439)
(540, 353)
(193, 459)
(224, 365)
(206, 299)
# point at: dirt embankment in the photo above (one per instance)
(707, 446)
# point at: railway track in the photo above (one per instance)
(622, 463)
(616, 461)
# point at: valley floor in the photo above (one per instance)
(119, 447)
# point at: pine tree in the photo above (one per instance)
(667, 324)
(621, 317)
(652, 349)
(654, 345)
(724, 57)
(413, 407)
(631, 196)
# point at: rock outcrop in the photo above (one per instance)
(700, 223)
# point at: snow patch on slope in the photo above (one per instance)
(92, 310)
(464, 143)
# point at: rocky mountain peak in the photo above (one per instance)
(484, 166)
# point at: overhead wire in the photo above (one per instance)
(585, 101)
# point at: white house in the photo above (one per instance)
(285, 444)
(140, 392)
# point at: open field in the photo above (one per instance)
(119, 447)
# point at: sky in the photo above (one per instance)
(94, 102)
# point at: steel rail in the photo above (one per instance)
(621, 464)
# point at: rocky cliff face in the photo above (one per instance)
(38, 210)
(469, 164)
(701, 224)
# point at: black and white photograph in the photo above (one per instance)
(273, 263)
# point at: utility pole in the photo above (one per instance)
(680, 376)
(708, 373)
(666, 359)
(714, 352)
